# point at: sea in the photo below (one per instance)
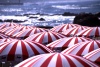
(51, 9)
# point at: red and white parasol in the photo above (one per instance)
(4, 25)
(94, 56)
(63, 43)
(19, 50)
(82, 48)
(14, 31)
(5, 40)
(56, 60)
(3, 36)
(92, 32)
(45, 37)
(27, 27)
(63, 27)
(4, 30)
(17, 29)
(73, 31)
(28, 32)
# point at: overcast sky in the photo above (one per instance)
(58, 0)
(44, 0)
(55, 0)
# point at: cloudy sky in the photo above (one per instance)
(55, 0)
(43, 0)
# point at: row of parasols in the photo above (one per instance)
(66, 45)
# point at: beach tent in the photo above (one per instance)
(56, 60)
(64, 43)
(82, 48)
(94, 56)
(45, 37)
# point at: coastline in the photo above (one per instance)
(43, 20)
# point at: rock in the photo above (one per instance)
(33, 17)
(87, 19)
(46, 27)
(97, 14)
(41, 19)
(68, 14)
(8, 20)
(15, 21)
(1, 20)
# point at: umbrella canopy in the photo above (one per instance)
(56, 60)
(45, 37)
(6, 29)
(82, 48)
(4, 25)
(3, 36)
(73, 31)
(17, 29)
(19, 50)
(5, 40)
(63, 27)
(27, 27)
(13, 31)
(94, 56)
(63, 43)
(28, 32)
(92, 32)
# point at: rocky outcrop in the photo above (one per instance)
(97, 14)
(87, 19)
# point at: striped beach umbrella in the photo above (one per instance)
(63, 43)
(14, 31)
(3, 36)
(4, 25)
(27, 32)
(5, 40)
(63, 27)
(4, 30)
(92, 32)
(27, 27)
(45, 37)
(73, 31)
(56, 60)
(94, 56)
(19, 50)
(17, 29)
(82, 48)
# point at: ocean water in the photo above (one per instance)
(52, 8)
